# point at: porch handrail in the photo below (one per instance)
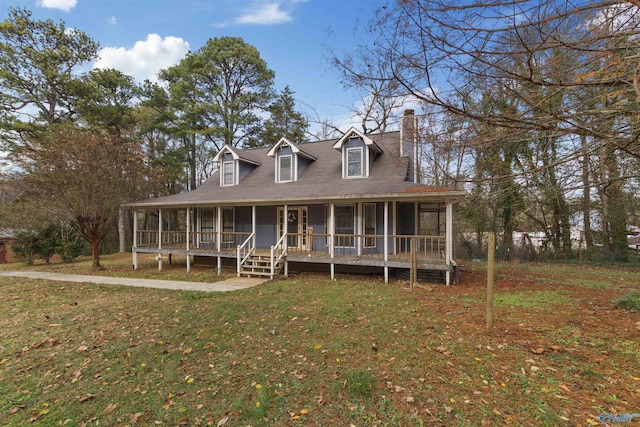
(428, 247)
(278, 251)
(245, 250)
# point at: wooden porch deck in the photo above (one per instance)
(431, 261)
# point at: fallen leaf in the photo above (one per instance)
(222, 422)
(538, 350)
(133, 419)
(110, 408)
(86, 397)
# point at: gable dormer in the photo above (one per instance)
(358, 154)
(290, 160)
(233, 166)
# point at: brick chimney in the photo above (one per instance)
(409, 141)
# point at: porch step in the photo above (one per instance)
(260, 265)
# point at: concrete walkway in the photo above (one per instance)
(232, 284)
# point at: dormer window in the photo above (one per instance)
(358, 154)
(290, 160)
(285, 168)
(234, 165)
(228, 173)
(354, 162)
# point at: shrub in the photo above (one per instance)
(69, 244)
(47, 240)
(630, 301)
(25, 246)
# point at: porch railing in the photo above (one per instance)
(369, 245)
(428, 248)
(197, 239)
(147, 238)
(278, 251)
(245, 250)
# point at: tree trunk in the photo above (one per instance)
(122, 229)
(617, 208)
(604, 200)
(586, 195)
(95, 252)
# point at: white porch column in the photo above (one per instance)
(394, 226)
(448, 251)
(285, 218)
(359, 228)
(159, 239)
(188, 239)
(386, 241)
(332, 237)
(218, 235)
(197, 227)
(285, 228)
(253, 224)
(134, 253)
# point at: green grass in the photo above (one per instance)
(629, 301)
(314, 352)
(360, 383)
(539, 300)
(592, 284)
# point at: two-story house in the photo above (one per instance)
(334, 204)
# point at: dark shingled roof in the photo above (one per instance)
(321, 180)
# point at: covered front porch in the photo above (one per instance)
(264, 239)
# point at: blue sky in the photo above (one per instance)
(294, 37)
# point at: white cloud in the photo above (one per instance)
(65, 5)
(113, 20)
(264, 14)
(145, 58)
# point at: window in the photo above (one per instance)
(228, 221)
(207, 225)
(354, 162)
(285, 168)
(369, 225)
(228, 175)
(345, 225)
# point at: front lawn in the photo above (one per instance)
(308, 351)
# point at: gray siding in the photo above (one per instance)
(303, 163)
(284, 150)
(352, 143)
(244, 170)
(266, 220)
(317, 221)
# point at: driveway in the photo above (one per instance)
(232, 284)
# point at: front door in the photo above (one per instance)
(296, 227)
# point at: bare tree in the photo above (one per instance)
(568, 69)
(83, 176)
